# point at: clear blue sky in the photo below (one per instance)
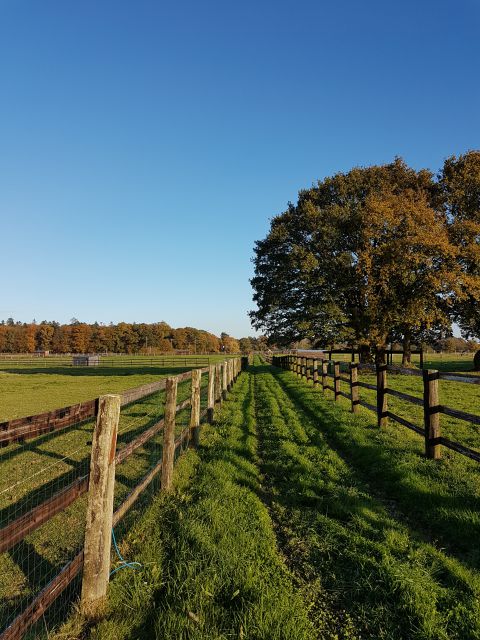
(144, 146)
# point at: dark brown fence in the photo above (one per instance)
(319, 371)
(93, 560)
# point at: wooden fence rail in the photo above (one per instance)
(94, 586)
(307, 368)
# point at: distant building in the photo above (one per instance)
(39, 353)
(86, 361)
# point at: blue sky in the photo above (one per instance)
(144, 146)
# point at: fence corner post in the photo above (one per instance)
(98, 531)
(168, 448)
(382, 403)
(431, 414)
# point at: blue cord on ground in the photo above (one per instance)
(125, 565)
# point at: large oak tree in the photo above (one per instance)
(361, 256)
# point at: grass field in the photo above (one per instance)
(296, 519)
(27, 390)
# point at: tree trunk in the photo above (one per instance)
(407, 350)
(365, 354)
(380, 353)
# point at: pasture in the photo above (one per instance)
(294, 519)
(30, 386)
(298, 520)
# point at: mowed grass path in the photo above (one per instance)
(296, 519)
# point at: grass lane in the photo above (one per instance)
(336, 484)
(211, 569)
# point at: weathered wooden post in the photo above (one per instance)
(218, 383)
(431, 414)
(336, 380)
(382, 403)
(98, 531)
(211, 394)
(324, 375)
(309, 371)
(195, 408)
(354, 390)
(315, 373)
(168, 449)
(224, 380)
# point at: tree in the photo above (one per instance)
(360, 256)
(459, 184)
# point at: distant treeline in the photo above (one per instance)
(80, 337)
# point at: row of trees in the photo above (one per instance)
(80, 337)
(373, 256)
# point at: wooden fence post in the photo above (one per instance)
(315, 373)
(382, 403)
(324, 375)
(211, 394)
(431, 414)
(218, 384)
(224, 380)
(98, 531)
(336, 380)
(354, 390)
(309, 371)
(168, 449)
(195, 408)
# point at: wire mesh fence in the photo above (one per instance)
(43, 501)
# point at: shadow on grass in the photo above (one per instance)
(404, 480)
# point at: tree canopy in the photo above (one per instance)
(363, 257)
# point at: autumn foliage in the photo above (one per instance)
(376, 255)
(79, 337)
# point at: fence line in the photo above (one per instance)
(304, 367)
(104, 457)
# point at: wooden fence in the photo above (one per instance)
(94, 559)
(319, 373)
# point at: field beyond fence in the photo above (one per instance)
(374, 392)
(61, 469)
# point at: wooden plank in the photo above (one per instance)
(39, 605)
(460, 448)
(367, 405)
(405, 396)
(135, 493)
(348, 396)
(344, 379)
(365, 385)
(137, 393)
(36, 517)
(96, 566)
(329, 387)
(37, 425)
(406, 423)
(461, 415)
